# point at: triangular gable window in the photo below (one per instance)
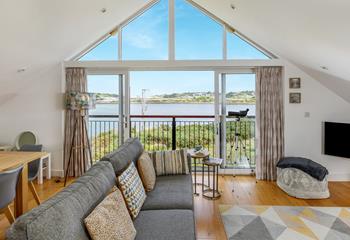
(237, 48)
(107, 50)
(146, 37)
(198, 35)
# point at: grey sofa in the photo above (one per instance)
(166, 214)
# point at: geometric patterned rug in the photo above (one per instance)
(287, 223)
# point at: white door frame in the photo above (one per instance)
(220, 108)
(126, 119)
(124, 100)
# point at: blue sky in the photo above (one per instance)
(196, 37)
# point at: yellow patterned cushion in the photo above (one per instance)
(146, 171)
(110, 219)
(130, 184)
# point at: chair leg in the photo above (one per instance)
(7, 211)
(33, 190)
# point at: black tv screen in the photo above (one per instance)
(337, 139)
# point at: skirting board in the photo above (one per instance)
(57, 173)
(339, 177)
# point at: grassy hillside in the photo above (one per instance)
(243, 97)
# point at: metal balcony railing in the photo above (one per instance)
(167, 132)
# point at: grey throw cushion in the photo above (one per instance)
(170, 192)
(61, 217)
(129, 152)
(165, 225)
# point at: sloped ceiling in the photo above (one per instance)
(35, 34)
(313, 33)
(310, 33)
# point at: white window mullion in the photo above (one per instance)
(171, 30)
(127, 106)
(120, 54)
(217, 113)
(224, 43)
(223, 117)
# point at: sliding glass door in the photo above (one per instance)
(176, 109)
(235, 112)
(109, 121)
(173, 109)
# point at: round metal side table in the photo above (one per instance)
(212, 192)
(195, 159)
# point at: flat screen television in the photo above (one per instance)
(337, 139)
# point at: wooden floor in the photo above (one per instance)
(247, 192)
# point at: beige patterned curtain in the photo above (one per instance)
(270, 121)
(75, 81)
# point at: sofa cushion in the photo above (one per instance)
(130, 184)
(129, 152)
(61, 217)
(165, 225)
(146, 171)
(170, 192)
(172, 162)
(111, 219)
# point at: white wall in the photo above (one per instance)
(35, 104)
(303, 136)
(38, 35)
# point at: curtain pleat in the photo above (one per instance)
(270, 121)
(76, 81)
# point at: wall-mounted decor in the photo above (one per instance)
(294, 97)
(294, 83)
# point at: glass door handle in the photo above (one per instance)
(125, 122)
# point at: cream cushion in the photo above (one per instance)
(111, 219)
(146, 171)
(173, 162)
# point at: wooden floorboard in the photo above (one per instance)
(246, 192)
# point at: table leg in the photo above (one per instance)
(195, 177)
(213, 181)
(217, 178)
(41, 174)
(21, 200)
(208, 168)
(202, 178)
(48, 167)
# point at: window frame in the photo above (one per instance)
(171, 34)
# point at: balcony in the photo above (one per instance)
(175, 132)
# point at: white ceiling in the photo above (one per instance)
(313, 33)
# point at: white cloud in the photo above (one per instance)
(140, 40)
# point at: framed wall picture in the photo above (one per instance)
(294, 83)
(294, 97)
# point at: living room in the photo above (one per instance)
(241, 107)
